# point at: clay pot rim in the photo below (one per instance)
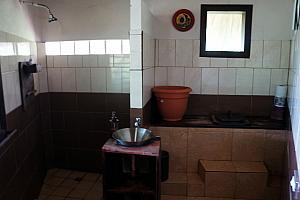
(171, 89)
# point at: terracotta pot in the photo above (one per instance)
(172, 101)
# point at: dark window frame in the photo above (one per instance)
(248, 28)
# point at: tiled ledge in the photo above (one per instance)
(206, 122)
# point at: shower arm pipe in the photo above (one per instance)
(37, 5)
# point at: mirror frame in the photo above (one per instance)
(248, 26)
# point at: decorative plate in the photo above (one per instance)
(183, 20)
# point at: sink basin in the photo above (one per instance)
(133, 137)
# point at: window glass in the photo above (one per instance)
(113, 47)
(97, 47)
(7, 49)
(82, 47)
(125, 47)
(67, 47)
(225, 31)
(52, 48)
(23, 48)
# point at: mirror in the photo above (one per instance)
(225, 31)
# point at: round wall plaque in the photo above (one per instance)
(183, 20)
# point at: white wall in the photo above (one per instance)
(88, 19)
(142, 54)
(16, 19)
(294, 91)
(177, 53)
(271, 18)
(18, 24)
(178, 63)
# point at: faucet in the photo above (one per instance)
(114, 121)
(138, 122)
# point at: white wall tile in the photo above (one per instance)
(218, 62)
(98, 79)
(121, 61)
(90, 61)
(256, 55)
(50, 62)
(176, 76)
(210, 81)
(36, 84)
(43, 80)
(136, 51)
(54, 79)
(261, 81)
(4, 64)
(13, 63)
(17, 89)
(285, 54)
(114, 80)
(148, 51)
(9, 92)
(278, 77)
(105, 60)
(136, 91)
(197, 60)
(60, 61)
(192, 79)
(227, 78)
(236, 62)
(125, 80)
(5, 93)
(244, 81)
(166, 50)
(68, 79)
(271, 56)
(184, 53)
(83, 79)
(75, 61)
(161, 76)
(148, 83)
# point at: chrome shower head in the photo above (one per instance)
(51, 17)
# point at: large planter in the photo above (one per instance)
(172, 101)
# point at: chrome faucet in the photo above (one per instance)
(138, 122)
(114, 121)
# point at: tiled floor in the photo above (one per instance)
(61, 184)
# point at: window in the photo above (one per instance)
(52, 48)
(225, 31)
(82, 47)
(23, 48)
(97, 47)
(67, 48)
(113, 47)
(125, 47)
(7, 49)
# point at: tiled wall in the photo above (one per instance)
(148, 66)
(82, 92)
(80, 126)
(294, 91)
(178, 63)
(22, 159)
(192, 144)
(9, 69)
(89, 73)
(22, 164)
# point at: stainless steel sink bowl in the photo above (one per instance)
(133, 137)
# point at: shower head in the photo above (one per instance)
(51, 17)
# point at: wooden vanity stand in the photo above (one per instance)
(131, 173)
